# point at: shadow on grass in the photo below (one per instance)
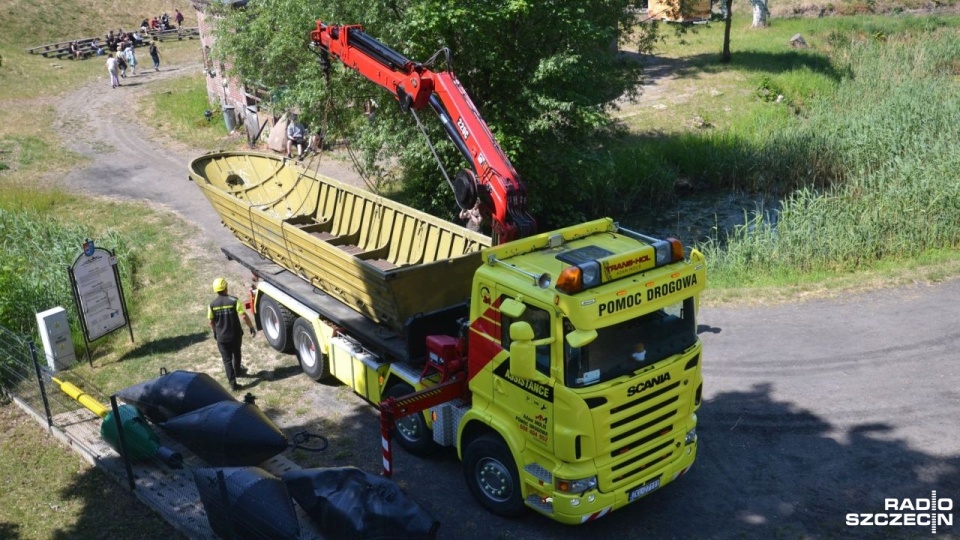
(767, 62)
(254, 380)
(10, 531)
(165, 346)
(773, 63)
(123, 517)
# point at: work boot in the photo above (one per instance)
(242, 372)
(234, 386)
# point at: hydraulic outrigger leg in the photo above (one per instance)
(392, 409)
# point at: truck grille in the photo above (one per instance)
(640, 434)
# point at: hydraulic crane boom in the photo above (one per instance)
(493, 181)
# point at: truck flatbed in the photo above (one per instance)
(379, 339)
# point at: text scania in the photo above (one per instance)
(647, 384)
(624, 302)
(671, 287)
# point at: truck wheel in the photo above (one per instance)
(492, 476)
(411, 431)
(312, 360)
(277, 324)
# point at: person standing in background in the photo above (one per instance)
(155, 56)
(113, 70)
(131, 57)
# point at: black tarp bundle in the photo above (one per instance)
(173, 394)
(228, 434)
(248, 503)
(349, 504)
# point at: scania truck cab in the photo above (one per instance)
(589, 387)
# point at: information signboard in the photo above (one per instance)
(98, 292)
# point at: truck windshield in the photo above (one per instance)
(628, 346)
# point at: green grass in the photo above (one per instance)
(178, 110)
(49, 492)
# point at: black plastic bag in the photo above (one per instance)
(173, 394)
(350, 504)
(249, 503)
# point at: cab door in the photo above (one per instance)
(529, 403)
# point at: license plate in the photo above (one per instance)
(644, 489)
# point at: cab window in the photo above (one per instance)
(539, 320)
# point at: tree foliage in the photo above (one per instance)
(543, 74)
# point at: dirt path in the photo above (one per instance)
(128, 162)
(811, 411)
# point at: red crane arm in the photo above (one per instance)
(493, 182)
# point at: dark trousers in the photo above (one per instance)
(230, 354)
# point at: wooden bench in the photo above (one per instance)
(174, 34)
(61, 49)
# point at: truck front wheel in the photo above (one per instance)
(492, 476)
(411, 431)
(277, 322)
(312, 360)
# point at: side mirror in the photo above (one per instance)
(523, 357)
(513, 309)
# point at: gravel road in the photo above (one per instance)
(812, 410)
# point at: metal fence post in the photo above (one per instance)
(43, 387)
(123, 441)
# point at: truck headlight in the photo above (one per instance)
(591, 274)
(691, 437)
(576, 486)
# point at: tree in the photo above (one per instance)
(760, 13)
(542, 73)
(727, 21)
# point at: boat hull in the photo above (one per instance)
(383, 259)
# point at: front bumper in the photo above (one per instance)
(576, 509)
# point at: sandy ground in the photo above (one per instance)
(812, 411)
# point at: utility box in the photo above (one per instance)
(55, 334)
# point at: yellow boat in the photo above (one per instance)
(371, 253)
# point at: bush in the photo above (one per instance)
(33, 277)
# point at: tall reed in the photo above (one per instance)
(33, 274)
(888, 143)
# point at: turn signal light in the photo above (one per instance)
(570, 280)
(676, 249)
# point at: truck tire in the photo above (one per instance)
(312, 360)
(411, 432)
(277, 324)
(491, 473)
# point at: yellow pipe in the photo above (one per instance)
(83, 398)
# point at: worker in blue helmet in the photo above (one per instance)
(224, 314)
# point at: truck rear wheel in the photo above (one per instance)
(411, 431)
(277, 323)
(312, 360)
(491, 473)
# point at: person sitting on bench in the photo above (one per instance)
(296, 135)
